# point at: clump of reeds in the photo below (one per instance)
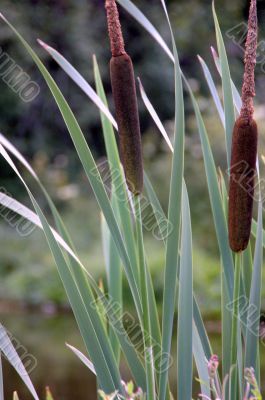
(124, 93)
(244, 148)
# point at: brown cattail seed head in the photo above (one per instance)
(125, 100)
(242, 181)
(244, 148)
(124, 93)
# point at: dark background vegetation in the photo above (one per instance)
(78, 30)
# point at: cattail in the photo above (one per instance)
(244, 149)
(125, 100)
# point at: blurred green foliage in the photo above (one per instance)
(78, 30)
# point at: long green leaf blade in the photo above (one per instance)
(8, 350)
(253, 320)
(213, 90)
(83, 358)
(141, 18)
(79, 80)
(174, 216)
(236, 95)
(185, 306)
(1, 380)
(227, 90)
(114, 277)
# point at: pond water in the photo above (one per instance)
(57, 367)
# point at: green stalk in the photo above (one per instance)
(234, 338)
(146, 324)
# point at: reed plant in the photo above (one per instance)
(144, 341)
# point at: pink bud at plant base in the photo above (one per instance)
(213, 364)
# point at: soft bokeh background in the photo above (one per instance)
(32, 300)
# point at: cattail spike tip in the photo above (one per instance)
(114, 27)
(248, 90)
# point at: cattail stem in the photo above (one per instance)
(244, 149)
(125, 100)
(248, 89)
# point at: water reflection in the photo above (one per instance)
(58, 367)
(45, 336)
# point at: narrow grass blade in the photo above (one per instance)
(154, 115)
(8, 350)
(140, 17)
(158, 212)
(201, 364)
(89, 165)
(78, 79)
(1, 380)
(252, 339)
(213, 90)
(174, 216)
(236, 95)
(12, 149)
(114, 275)
(29, 215)
(240, 360)
(105, 239)
(247, 270)
(254, 230)
(147, 336)
(201, 330)
(115, 291)
(234, 379)
(131, 356)
(225, 300)
(227, 90)
(83, 358)
(226, 329)
(152, 196)
(185, 306)
(57, 218)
